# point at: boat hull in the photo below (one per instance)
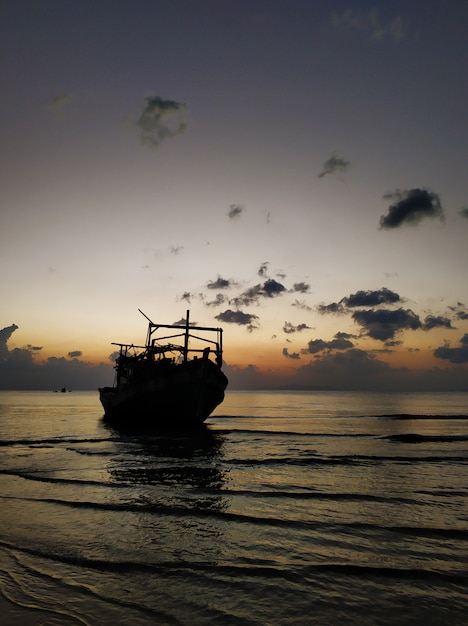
(169, 396)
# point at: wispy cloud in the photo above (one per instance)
(289, 328)
(411, 207)
(263, 269)
(301, 304)
(370, 24)
(160, 120)
(59, 102)
(335, 165)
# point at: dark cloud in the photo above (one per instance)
(359, 299)
(269, 289)
(464, 212)
(5, 335)
(410, 207)
(291, 355)
(289, 328)
(335, 308)
(235, 211)
(75, 354)
(454, 355)
(460, 311)
(219, 283)
(334, 165)
(371, 298)
(20, 370)
(370, 24)
(160, 120)
(238, 317)
(383, 324)
(340, 342)
(187, 296)
(218, 301)
(436, 321)
(301, 287)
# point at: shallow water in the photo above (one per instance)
(288, 508)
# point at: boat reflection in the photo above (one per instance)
(187, 461)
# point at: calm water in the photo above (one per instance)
(289, 508)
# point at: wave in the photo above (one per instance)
(416, 416)
(417, 438)
(171, 510)
(245, 571)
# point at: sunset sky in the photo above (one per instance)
(292, 171)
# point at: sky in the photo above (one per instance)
(293, 172)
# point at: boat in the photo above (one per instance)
(175, 379)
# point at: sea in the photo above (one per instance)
(286, 508)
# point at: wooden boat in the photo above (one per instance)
(164, 383)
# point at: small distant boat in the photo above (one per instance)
(164, 383)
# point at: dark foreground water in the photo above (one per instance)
(289, 508)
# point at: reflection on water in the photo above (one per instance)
(188, 461)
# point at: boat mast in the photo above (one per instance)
(186, 342)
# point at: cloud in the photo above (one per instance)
(291, 355)
(336, 308)
(20, 370)
(235, 211)
(301, 287)
(176, 249)
(262, 270)
(218, 301)
(436, 321)
(300, 304)
(460, 311)
(454, 355)
(187, 296)
(269, 289)
(383, 324)
(340, 342)
(5, 335)
(60, 101)
(464, 212)
(219, 283)
(358, 299)
(289, 328)
(160, 120)
(238, 317)
(410, 207)
(371, 298)
(75, 354)
(334, 165)
(370, 24)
